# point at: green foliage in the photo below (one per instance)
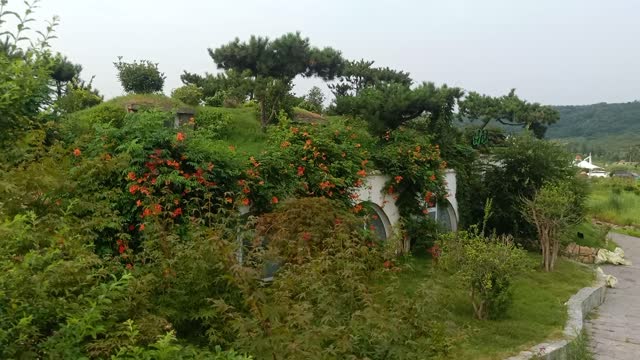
(168, 348)
(233, 85)
(63, 72)
(487, 267)
(422, 232)
(322, 306)
(216, 100)
(359, 75)
(297, 229)
(508, 110)
(188, 94)
(212, 121)
(552, 210)
(77, 99)
(24, 91)
(611, 202)
(273, 64)
(517, 171)
(313, 101)
(140, 77)
(592, 235)
(596, 121)
(56, 293)
(82, 122)
(388, 106)
(310, 160)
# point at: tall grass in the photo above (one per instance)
(592, 236)
(616, 201)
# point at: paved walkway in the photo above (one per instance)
(614, 329)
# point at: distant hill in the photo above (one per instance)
(597, 120)
(610, 131)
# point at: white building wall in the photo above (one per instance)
(373, 191)
(451, 184)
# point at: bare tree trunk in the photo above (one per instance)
(556, 248)
(264, 118)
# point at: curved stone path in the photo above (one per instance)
(614, 328)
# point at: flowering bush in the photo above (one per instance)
(415, 164)
(309, 160)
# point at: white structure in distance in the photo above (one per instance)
(589, 168)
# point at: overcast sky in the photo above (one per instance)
(551, 51)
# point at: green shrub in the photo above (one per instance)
(297, 228)
(77, 99)
(310, 107)
(325, 302)
(215, 101)
(486, 267)
(188, 94)
(422, 232)
(250, 104)
(310, 161)
(212, 121)
(141, 77)
(82, 122)
(519, 169)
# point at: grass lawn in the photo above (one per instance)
(615, 201)
(538, 310)
(594, 236)
(244, 131)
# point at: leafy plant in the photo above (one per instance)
(552, 211)
(416, 169)
(140, 77)
(486, 267)
(313, 101)
(323, 304)
(188, 94)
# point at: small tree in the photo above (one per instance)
(551, 210)
(508, 110)
(140, 77)
(314, 100)
(63, 72)
(486, 266)
(273, 64)
(188, 94)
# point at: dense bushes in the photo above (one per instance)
(323, 303)
(122, 236)
(516, 171)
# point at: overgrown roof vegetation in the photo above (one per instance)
(123, 235)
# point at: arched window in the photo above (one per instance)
(446, 216)
(376, 220)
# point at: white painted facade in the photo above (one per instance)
(373, 191)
